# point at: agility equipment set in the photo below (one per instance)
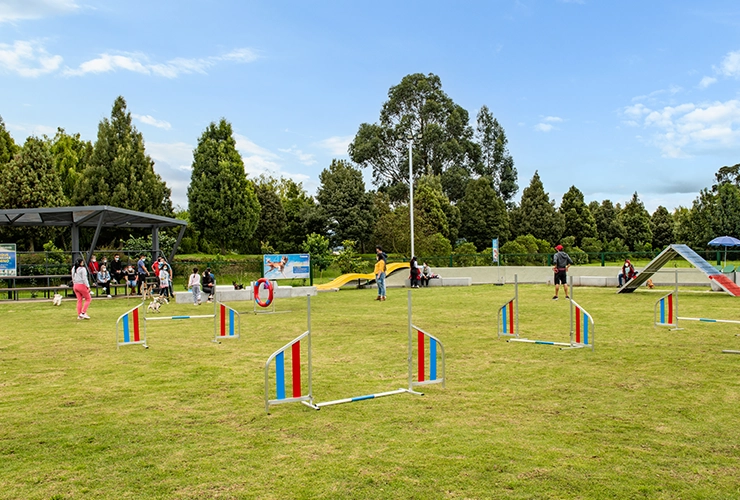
(131, 325)
(581, 323)
(429, 351)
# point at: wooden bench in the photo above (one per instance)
(13, 293)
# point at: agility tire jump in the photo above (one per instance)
(271, 292)
(131, 326)
(581, 324)
(430, 358)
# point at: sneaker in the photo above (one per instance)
(84, 316)
(383, 298)
(80, 317)
(567, 297)
(109, 296)
(378, 298)
(555, 298)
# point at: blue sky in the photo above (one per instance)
(612, 97)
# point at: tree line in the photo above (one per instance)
(464, 179)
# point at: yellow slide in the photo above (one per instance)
(346, 278)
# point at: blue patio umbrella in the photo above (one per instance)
(725, 241)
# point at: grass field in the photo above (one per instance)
(650, 413)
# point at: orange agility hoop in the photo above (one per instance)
(268, 285)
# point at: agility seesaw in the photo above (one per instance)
(581, 323)
(429, 354)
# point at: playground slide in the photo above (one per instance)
(346, 278)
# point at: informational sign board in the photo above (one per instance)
(494, 245)
(8, 259)
(287, 266)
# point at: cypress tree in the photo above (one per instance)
(222, 202)
(536, 214)
(120, 172)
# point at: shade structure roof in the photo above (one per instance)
(95, 216)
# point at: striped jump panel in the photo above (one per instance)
(429, 359)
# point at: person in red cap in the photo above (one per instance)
(561, 262)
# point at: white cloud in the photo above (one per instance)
(17, 10)
(552, 119)
(707, 81)
(305, 158)
(543, 127)
(140, 63)
(336, 145)
(246, 146)
(28, 59)
(37, 130)
(682, 130)
(731, 64)
(150, 120)
(178, 155)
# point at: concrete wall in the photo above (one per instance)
(592, 276)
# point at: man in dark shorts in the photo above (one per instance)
(561, 262)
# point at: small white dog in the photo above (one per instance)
(154, 305)
(57, 301)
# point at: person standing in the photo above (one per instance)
(194, 286)
(164, 281)
(81, 287)
(142, 271)
(414, 273)
(561, 262)
(380, 276)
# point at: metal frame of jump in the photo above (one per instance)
(223, 317)
(581, 323)
(665, 313)
(426, 343)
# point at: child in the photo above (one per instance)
(103, 279)
(164, 281)
(194, 285)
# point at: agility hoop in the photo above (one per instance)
(256, 290)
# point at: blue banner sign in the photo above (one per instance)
(7, 259)
(287, 266)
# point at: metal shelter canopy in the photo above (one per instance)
(98, 217)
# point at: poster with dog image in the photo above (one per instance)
(286, 266)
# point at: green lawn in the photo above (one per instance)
(651, 413)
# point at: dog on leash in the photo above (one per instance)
(57, 300)
(238, 286)
(650, 284)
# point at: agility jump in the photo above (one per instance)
(665, 312)
(131, 325)
(429, 354)
(581, 323)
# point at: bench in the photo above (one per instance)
(113, 288)
(466, 281)
(13, 293)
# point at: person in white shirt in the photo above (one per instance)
(81, 286)
(194, 286)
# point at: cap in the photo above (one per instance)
(559, 247)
